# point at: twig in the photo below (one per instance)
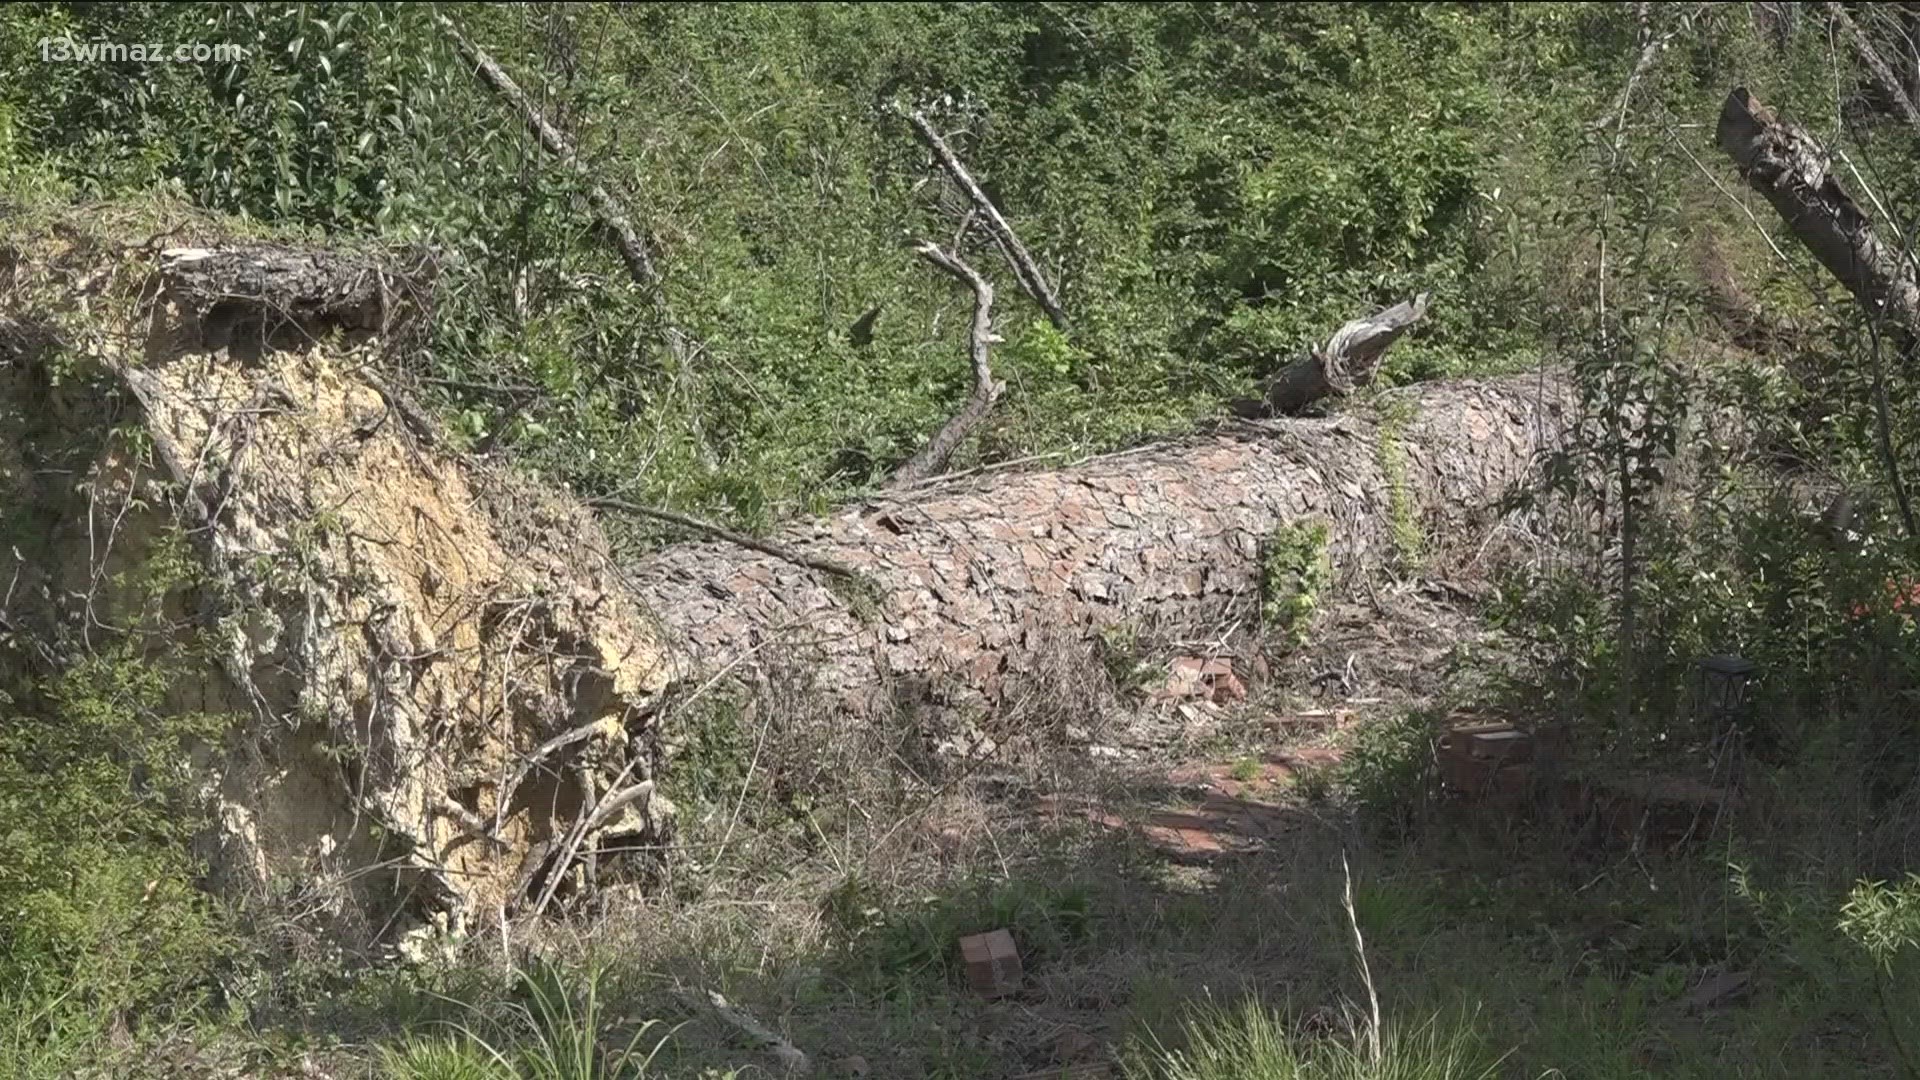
(606, 726)
(471, 821)
(1883, 430)
(792, 1057)
(934, 456)
(1023, 264)
(719, 532)
(570, 847)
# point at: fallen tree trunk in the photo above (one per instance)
(974, 575)
(1786, 165)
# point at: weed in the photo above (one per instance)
(1253, 1042)
(1403, 515)
(548, 1035)
(1386, 765)
(1295, 569)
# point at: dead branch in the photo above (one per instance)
(1023, 264)
(1786, 165)
(617, 801)
(605, 727)
(634, 249)
(934, 456)
(792, 1057)
(1877, 64)
(471, 821)
(591, 821)
(719, 532)
(1350, 358)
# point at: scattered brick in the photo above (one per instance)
(993, 963)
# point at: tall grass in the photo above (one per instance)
(1252, 1042)
(547, 1036)
(45, 1040)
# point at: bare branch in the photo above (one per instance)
(1023, 264)
(934, 456)
(788, 1055)
(1882, 71)
(606, 727)
(634, 249)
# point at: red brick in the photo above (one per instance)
(993, 963)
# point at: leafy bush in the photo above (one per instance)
(1295, 569)
(98, 890)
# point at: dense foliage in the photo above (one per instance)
(1211, 186)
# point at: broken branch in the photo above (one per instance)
(1882, 71)
(788, 1055)
(606, 726)
(1350, 358)
(1785, 164)
(934, 456)
(1023, 264)
(633, 248)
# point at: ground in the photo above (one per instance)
(1197, 852)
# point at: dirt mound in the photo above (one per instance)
(438, 675)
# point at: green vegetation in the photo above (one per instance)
(553, 1037)
(1209, 186)
(1403, 516)
(1253, 1043)
(1295, 570)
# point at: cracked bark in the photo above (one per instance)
(971, 575)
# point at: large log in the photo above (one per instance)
(973, 573)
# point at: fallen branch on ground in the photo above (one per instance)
(792, 1057)
(720, 532)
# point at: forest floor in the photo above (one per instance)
(1195, 854)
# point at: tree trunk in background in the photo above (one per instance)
(1787, 166)
(974, 574)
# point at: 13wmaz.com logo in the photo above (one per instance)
(68, 51)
